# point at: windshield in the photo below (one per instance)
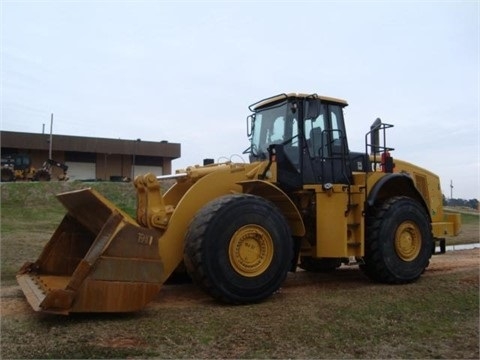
(273, 125)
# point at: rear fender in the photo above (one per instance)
(397, 184)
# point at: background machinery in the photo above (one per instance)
(19, 167)
(45, 173)
(303, 200)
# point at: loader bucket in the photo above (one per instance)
(98, 260)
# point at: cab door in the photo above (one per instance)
(326, 150)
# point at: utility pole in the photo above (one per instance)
(451, 189)
(135, 145)
(50, 142)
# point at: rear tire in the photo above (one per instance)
(238, 248)
(399, 242)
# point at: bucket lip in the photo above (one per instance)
(34, 294)
(76, 191)
(95, 196)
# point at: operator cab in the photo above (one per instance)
(305, 135)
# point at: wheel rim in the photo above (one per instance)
(408, 241)
(250, 250)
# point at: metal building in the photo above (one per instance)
(90, 158)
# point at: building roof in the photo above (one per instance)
(20, 140)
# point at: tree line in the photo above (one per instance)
(472, 203)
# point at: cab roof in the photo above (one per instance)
(279, 97)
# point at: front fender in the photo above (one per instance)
(190, 198)
(276, 195)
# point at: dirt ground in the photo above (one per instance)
(169, 326)
(175, 296)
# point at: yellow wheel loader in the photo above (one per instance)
(304, 200)
(17, 167)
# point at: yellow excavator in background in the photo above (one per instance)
(304, 200)
(19, 167)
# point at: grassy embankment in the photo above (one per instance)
(30, 213)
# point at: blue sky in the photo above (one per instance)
(185, 71)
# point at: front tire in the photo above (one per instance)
(42, 175)
(238, 248)
(398, 242)
(7, 175)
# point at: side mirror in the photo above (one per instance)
(312, 109)
(250, 124)
(375, 135)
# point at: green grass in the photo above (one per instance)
(470, 218)
(469, 233)
(434, 318)
(30, 213)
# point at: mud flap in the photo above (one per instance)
(442, 247)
